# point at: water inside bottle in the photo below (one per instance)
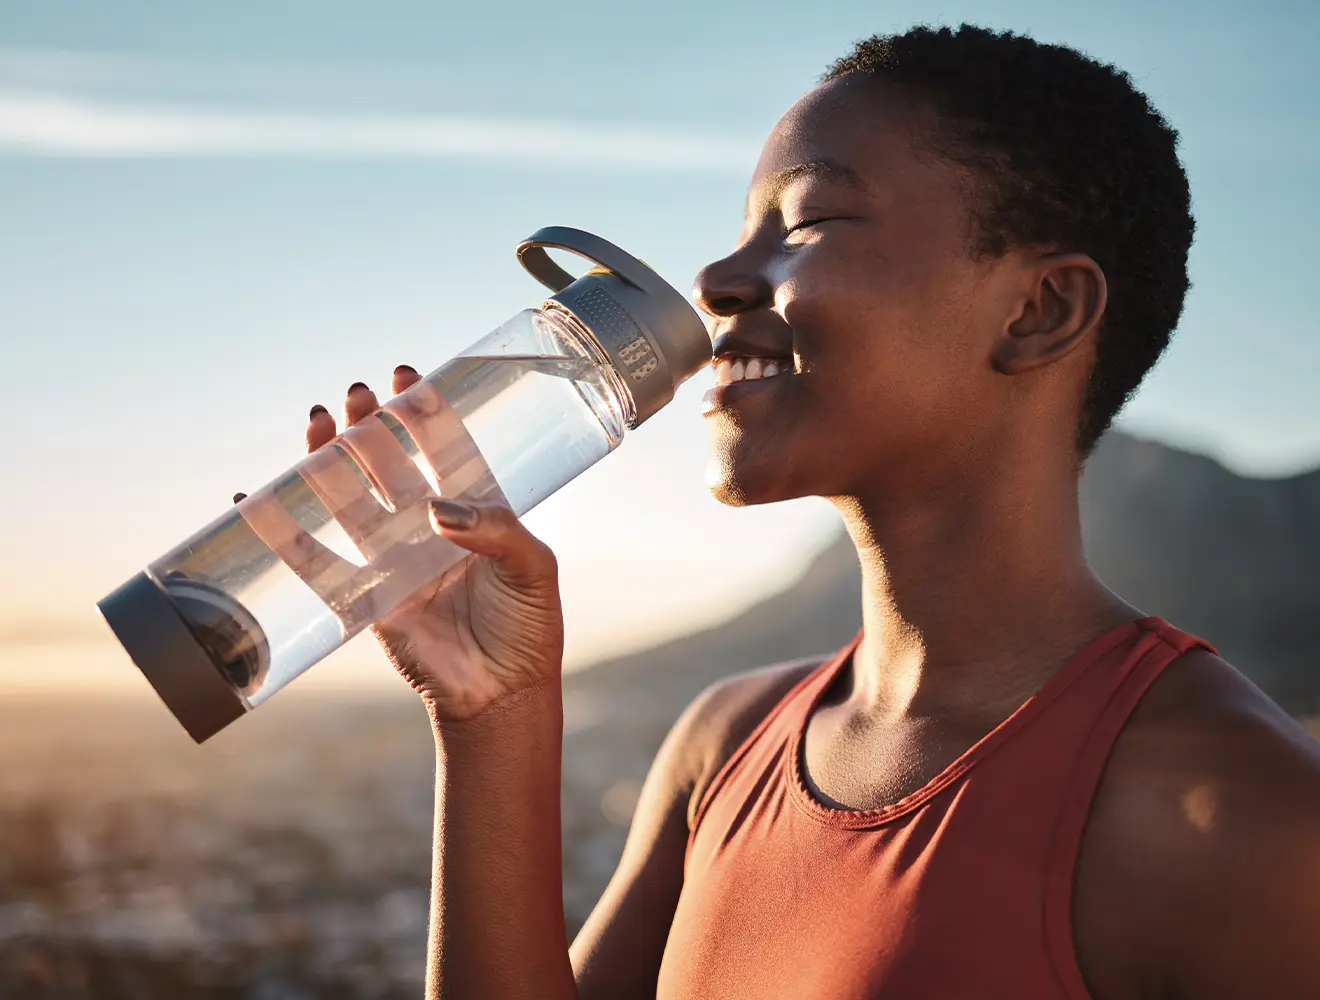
(535, 433)
(292, 578)
(558, 365)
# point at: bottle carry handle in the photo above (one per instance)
(537, 263)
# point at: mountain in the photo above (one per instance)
(1234, 560)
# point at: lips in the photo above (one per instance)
(749, 362)
(734, 342)
(733, 385)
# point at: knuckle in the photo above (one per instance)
(551, 564)
(499, 517)
(545, 557)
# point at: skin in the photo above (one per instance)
(933, 397)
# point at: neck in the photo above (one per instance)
(973, 598)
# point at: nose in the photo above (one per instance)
(729, 286)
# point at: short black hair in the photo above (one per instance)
(1073, 157)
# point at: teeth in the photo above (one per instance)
(746, 369)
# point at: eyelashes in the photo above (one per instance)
(812, 223)
(808, 223)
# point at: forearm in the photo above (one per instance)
(497, 916)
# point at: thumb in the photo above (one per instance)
(495, 531)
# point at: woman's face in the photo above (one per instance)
(854, 275)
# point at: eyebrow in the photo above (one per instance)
(824, 168)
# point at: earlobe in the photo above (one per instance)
(1063, 307)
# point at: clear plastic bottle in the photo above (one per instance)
(233, 614)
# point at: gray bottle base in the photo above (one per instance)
(176, 664)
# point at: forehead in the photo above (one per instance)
(855, 133)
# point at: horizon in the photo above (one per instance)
(350, 671)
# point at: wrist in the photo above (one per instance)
(528, 710)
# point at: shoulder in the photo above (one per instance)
(722, 717)
(618, 952)
(1206, 833)
(1214, 751)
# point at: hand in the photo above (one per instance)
(488, 629)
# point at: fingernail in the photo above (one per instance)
(318, 408)
(239, 496)
(358, 385)
(453, 515)
(405, 370)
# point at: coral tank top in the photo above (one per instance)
(961, 889)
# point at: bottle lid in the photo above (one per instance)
(646, 326)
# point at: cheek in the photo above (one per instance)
(894, 344)
(845, 311)
(836, 307)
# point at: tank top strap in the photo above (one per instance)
(1182, 641)
(1161, 645)
(779, 724)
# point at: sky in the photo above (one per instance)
(213, 216)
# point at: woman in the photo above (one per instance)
(961, 253)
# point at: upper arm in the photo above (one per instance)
(1265, 943)
(1202, 855)
(617, 953)
(1256, 903)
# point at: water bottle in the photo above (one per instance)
(289, 574)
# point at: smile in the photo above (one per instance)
(738, 369)
(739, 378)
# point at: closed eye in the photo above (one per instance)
(808, 223)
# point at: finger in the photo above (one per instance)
(239, 497)
(495, 532)
(390, 467)
(404, 376)
(358, 403)
(320, 427)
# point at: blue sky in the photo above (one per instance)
(212, 216)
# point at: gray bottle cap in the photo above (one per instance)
(646, 327)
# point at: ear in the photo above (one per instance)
(1063, 306)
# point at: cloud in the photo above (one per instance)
(45, 125)
(181, 77)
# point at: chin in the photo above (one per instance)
(737, 483)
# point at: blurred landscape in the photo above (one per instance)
(290, 856)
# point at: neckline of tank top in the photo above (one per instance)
(854, 819)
